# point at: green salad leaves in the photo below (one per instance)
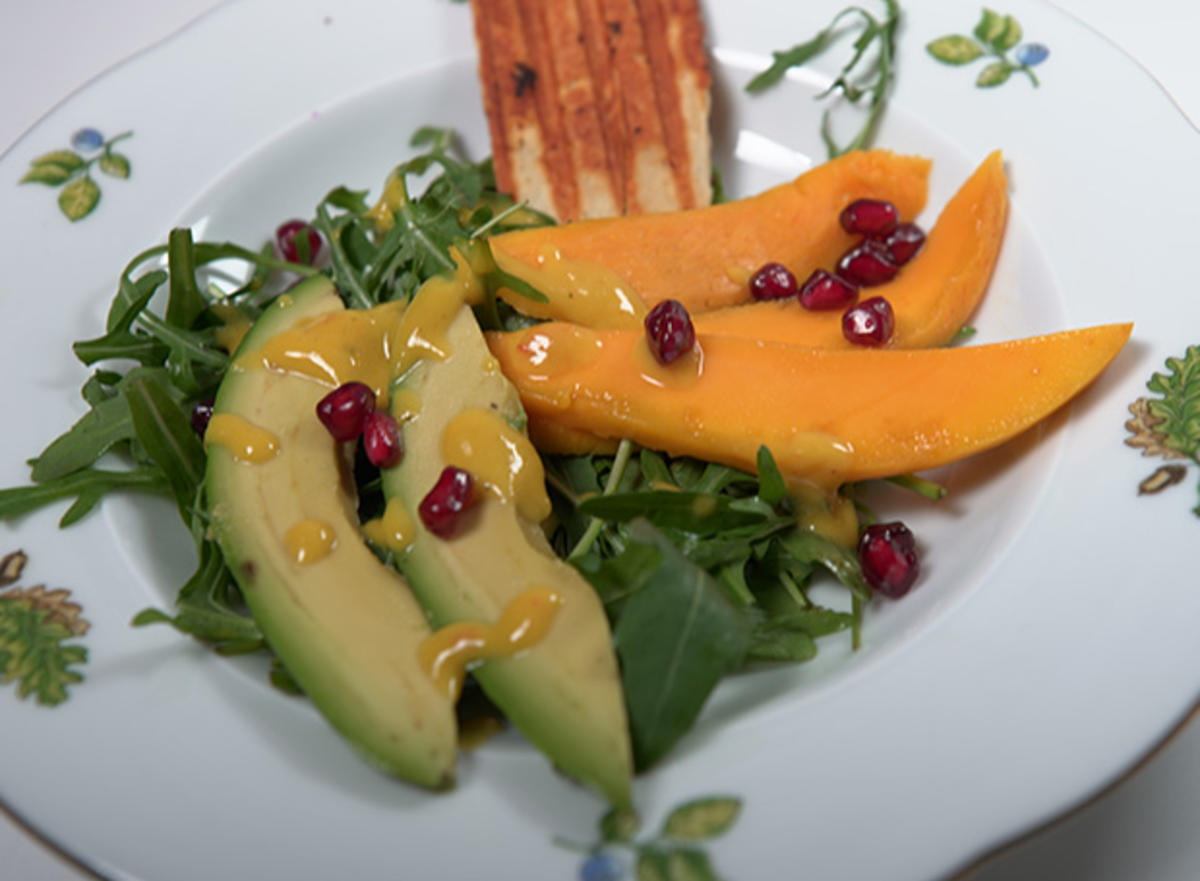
(704, 570)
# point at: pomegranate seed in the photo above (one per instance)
(903, 242)
(867, 264)
(824, 290)
(345, 410)
(773, 281)
(888, 554)
(442, 507)
(381, 439)
(201, 414)
(869, 217)
(669, 331)
(290, 249)
(870, 323)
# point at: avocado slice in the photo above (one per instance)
(344, 624)
(564, 693)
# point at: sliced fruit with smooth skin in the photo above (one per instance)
(828, 416)
(704, 257)
(564, 692)
(933, 295)
(283, 508)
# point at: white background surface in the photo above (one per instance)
(1146, 829)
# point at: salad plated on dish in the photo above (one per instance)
(454, 459)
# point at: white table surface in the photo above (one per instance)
(1145, 829)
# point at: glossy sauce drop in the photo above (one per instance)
(446, 653)
(245, 441)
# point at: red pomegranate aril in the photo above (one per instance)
(904, 242)
(344, 410)
(444, 505)
(773, 281)
(824, 290)
(669, 331)
(290, 249)
(201, 415)
(871, 323)
(888, 555)
(381, 439)
(869, 217)
(867, 264)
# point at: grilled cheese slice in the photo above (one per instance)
(596, 107)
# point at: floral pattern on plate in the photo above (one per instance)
(71, 169)
(35, 628)
(1168, 424)
(994, 37)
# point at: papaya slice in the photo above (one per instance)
(703, 257)
(828, 416)
(932, 297)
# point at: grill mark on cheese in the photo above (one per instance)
(693, 83)
(599, 55)
(654, 26)
(578, 98)
(490, 86)
(559, 168)
(648, 183)
(613, 119)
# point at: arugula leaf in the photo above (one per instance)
(676, 637)
(879, 70)
(104, 426)
(185, 302)
(208, 608)
(86, 485)
(165, 431)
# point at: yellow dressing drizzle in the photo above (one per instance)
(446, 653)
(578, 291)
(827, 456)
(234, 325)
(383, 211)
(421, 333)
(335, 348)
(828, 514)
(680, 373)
(394, 530)
(481, 442)
(560, 349)
(309, 541)
(406, 404)
(245, 441)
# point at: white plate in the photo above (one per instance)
(1040, 656)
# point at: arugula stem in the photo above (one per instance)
(919, 485)
(794, 591)
(856, 628)
(418, 234)
(341, 263)
(169, 335)
(620, 461)
(507, 212)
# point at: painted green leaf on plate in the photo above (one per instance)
(114, 165)
(78, 198)
(994, 74)
(702, 818)
(954, 49)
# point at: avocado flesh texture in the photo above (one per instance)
(564, 694)
(346, 626)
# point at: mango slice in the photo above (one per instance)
(705, 256)
(829, 417)
(933, 296)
